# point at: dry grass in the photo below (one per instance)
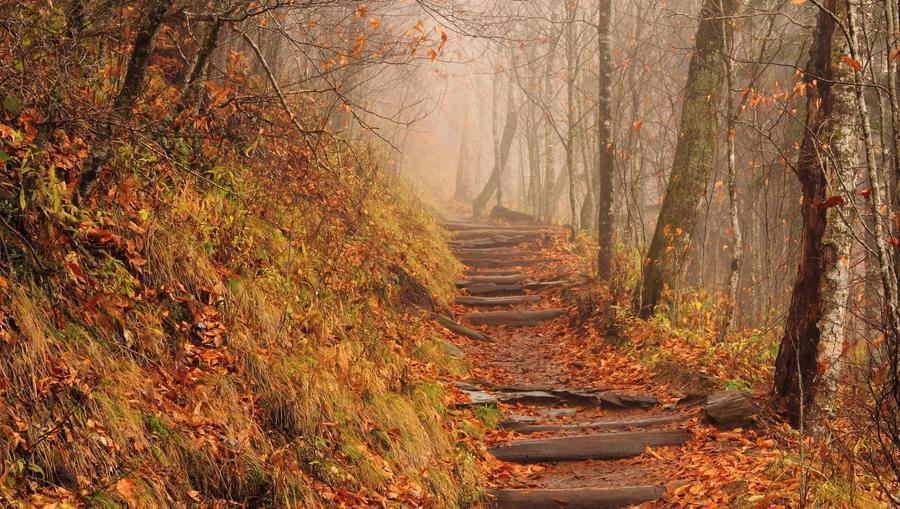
(302, 393)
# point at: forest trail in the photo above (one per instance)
(565, 438)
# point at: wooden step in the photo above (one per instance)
(480, 254)
(543, 285)
(574, 498)
(493, 290)
(507, 272)
(491, 263)
(621, 424)
(588, 447)
(512, 318)
(487, 243)
(496, 232)
(509, 300)
(497, 280)
(458, 227)
(460, 329)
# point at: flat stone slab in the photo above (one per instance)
(577, 498)
(512, 318)
(588, 447)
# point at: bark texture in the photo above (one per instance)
(144, 42)
(606, 148)
(693, 157)
(809, 356)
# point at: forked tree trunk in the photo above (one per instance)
(693, 157)
(809, 356)
(101, 149)
(493, 183)
(605, 148)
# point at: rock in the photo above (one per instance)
(452, 350)
(729, 408)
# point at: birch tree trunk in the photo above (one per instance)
(693, 158)
(809, 357)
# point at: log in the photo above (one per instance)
(489, 263)
(573, 498)
(458, 227)
(495, 232)
(476, 254)
(510, 300)
(513, 216)
(729, 408)
(526, 428)
(508, 272)
(497, 280)
(491, 289)
(512, 318)
(623, 400)
(489, 243)
(541, 285)
(588, 447)
(460, 329)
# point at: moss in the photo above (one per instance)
(488, 415)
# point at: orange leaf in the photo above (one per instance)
(847, 59)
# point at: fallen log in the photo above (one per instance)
(588, 447)
(460, 329)
(512, 318)
(573, 498)
(513, 216)
(729, 408)
(509, 300)
(493, 290)
(497, 280)
(622, 424)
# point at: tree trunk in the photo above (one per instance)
(192, 77)
(570, 112)
(462, 191)
(737, 246)
(809, 356)
(605, 148)
(693, 157)
(493, 183)
(101, 149)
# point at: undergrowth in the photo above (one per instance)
(688, 353)
(224, 324)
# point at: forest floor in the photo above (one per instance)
(583, 422)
